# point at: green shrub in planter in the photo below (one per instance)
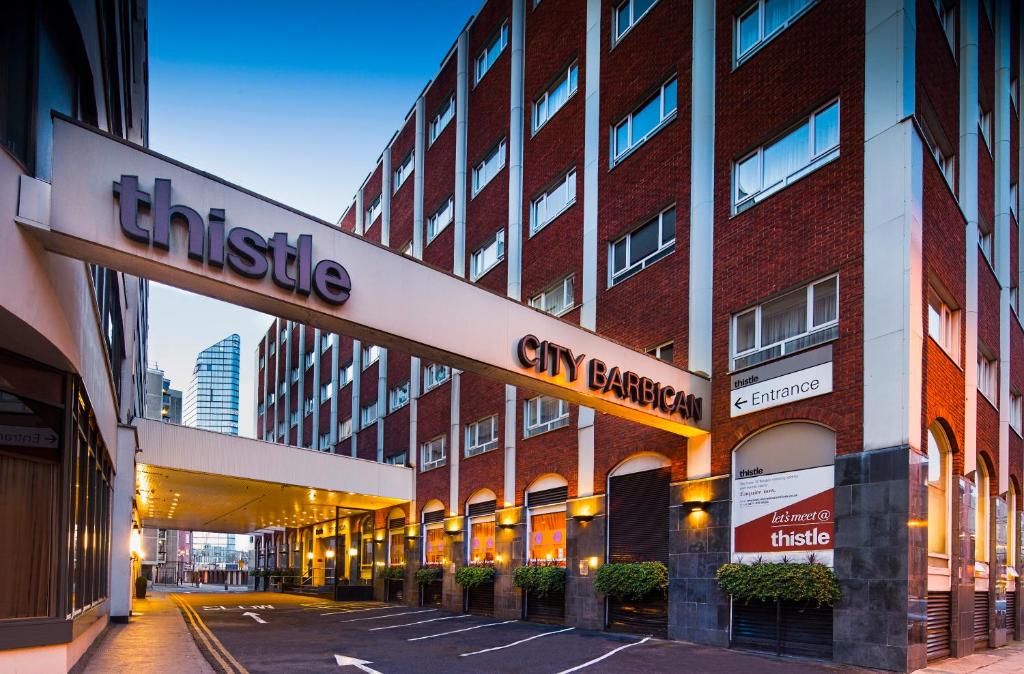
(140, 587)
(633, 581)
(471, 576)
(392, 572)
(428, 574)
(540, 580)
(780, 581)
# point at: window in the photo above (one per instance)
(282, 388)
(938, 491)
(434, 375)
(550, 205)
(812, 144)
(1015, 299)
(1015, 412)
(368, 414)
(488, 255)
(407, 248)
(440, 219)
(662, 351)
(491, 52)
(271, 398)
(434, 552)
(432, 454)
(797, 320)
(944, 325)
(941, 152)
(372, 212)
(489, 167)
(345, 375)
(325, 342)
(325, 392)
(441, 120)
(398, 397)
(986, 240)
(1011, 526)
(281, 428)
(307, 406)
(324, 441)
(482, 436)
(644, 122)
(263, 362)
(396, 545)
(626, 15)
(345, 429)
(947, 17)
(642, 247)
(273, 348)
(295, 374)
(552, 100)
(308, 359)
(985, 126)
(403, 171)
(556, 300)
(1013, 200)
(981, 512)
(1014, 92)
(543, 414)
(988, 377)
(295, 417)
(400, 459)
(547, 536)
(284, 334)
(764, 20)
(371, 354)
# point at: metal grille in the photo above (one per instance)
(789, 628)
(639, 516)
(940, 611)
(397, 523)
(433, 517)
(547, 497)
(648, 616)
(485, 508)
(396, 590)
(981, 619)
(481, 599)
(431, 593)
(1011, 613)
(547, 609)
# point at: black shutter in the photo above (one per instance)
(545, 497)
(479, 509)
(981, 619)
(940, 612)
(1011, 613)
(547, 609)
(433, 517)
(398, 523)
(639, 517)
(481, 599)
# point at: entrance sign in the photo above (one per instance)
(28, 436)
(782, 494)
(798, 377)
(396, 302)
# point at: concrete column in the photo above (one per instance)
(968, 193)
(122, 500)
(335, 391)
(357, 375)
(454, 452)
(414, 396)
(266, 392)
(278, 398)
(461, 123)
(385, 198)
(1003, 222)
(287, 382)
(382, 400)
(317, 390)
(359, 210)
(417, 182)
(584, 607)
(301, 386)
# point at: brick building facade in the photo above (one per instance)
(747, 190)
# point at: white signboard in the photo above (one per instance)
(804, 375)
(28, 436)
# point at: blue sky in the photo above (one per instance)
(291, 100)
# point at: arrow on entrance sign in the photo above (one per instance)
(740, 403)
(256, 617)
(344, 661)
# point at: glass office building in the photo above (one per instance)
(212, 399)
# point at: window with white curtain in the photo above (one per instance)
(324, 442)
(642, 247)
(398, 397)
(434, 375)
(769, 168)
(307, 406)
(403, 171)
(482, 436)
(543, 414)
(1015, 411)
(432, 454)
(553, 202)
(988, 377)
(485, 171)
(795, 321)
(487, 256)
(368, 414)
(552, 100)
(442, 119)
(644, 122)
(491, 52)
(762, 21)
(345, 429)
(557, 299)
(441, 218)
(944, 324)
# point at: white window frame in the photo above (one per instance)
(986, 242)
(324, 442)
(326, 392)
(566, 287)
(373, 212)
(1014, 195)
(947, 19)
(988, 378)
(1015, 412)
(309, 359)
(295, 374)
(400, 459)
(273, 348)
(617, 34)
(398, 396)
(325, 341)
(444, 116)
(473, 446)
(657, 351)
(945, 333)
(368, 415)
(663, 250)
(985, 126)
(403, 171)
(437, 449)
(271, 399)
(534, 406)
(345, 375)
(763, 39)
(370, 355)
(480, 177)
(815, 160)
(263, 362)
(308, 405)
(430, 379)
(485, 60)
(1015, 93)
(570, 76)
(294, 417)
(440, 219)
(539, 217)
(809, 327)
(345, 429)
(407, 248)
(479, 257)
(666, 115)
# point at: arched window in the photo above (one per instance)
(433, 532)
(396, 537)
(982, 512)
(545, 505)
(480, 509)
(938, 491)
(1013, 499)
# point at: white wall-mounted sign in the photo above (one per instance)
(799, 377)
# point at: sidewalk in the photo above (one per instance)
(1006, 660)
(156, 640)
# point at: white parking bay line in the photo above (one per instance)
(359, 610)
(390, 615)
(419, 622)
(464, 629)
(516, 643)
(606, 655)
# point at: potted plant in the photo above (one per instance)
(540, 580)
(632, 581)
(474, 576)
(140, 586)
(425, 575)
(391, 572)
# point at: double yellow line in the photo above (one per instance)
(212, 643)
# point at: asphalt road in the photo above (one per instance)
(273, 632)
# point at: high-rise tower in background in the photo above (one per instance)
(211, 402)
(162, 402)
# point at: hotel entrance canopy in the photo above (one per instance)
(125, 207)
(205, 481)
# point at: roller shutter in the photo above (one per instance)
(940, 612)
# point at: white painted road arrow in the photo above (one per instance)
(344, 661)
(255, 616)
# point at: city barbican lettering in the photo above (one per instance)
(545, 356)
(244, 251)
